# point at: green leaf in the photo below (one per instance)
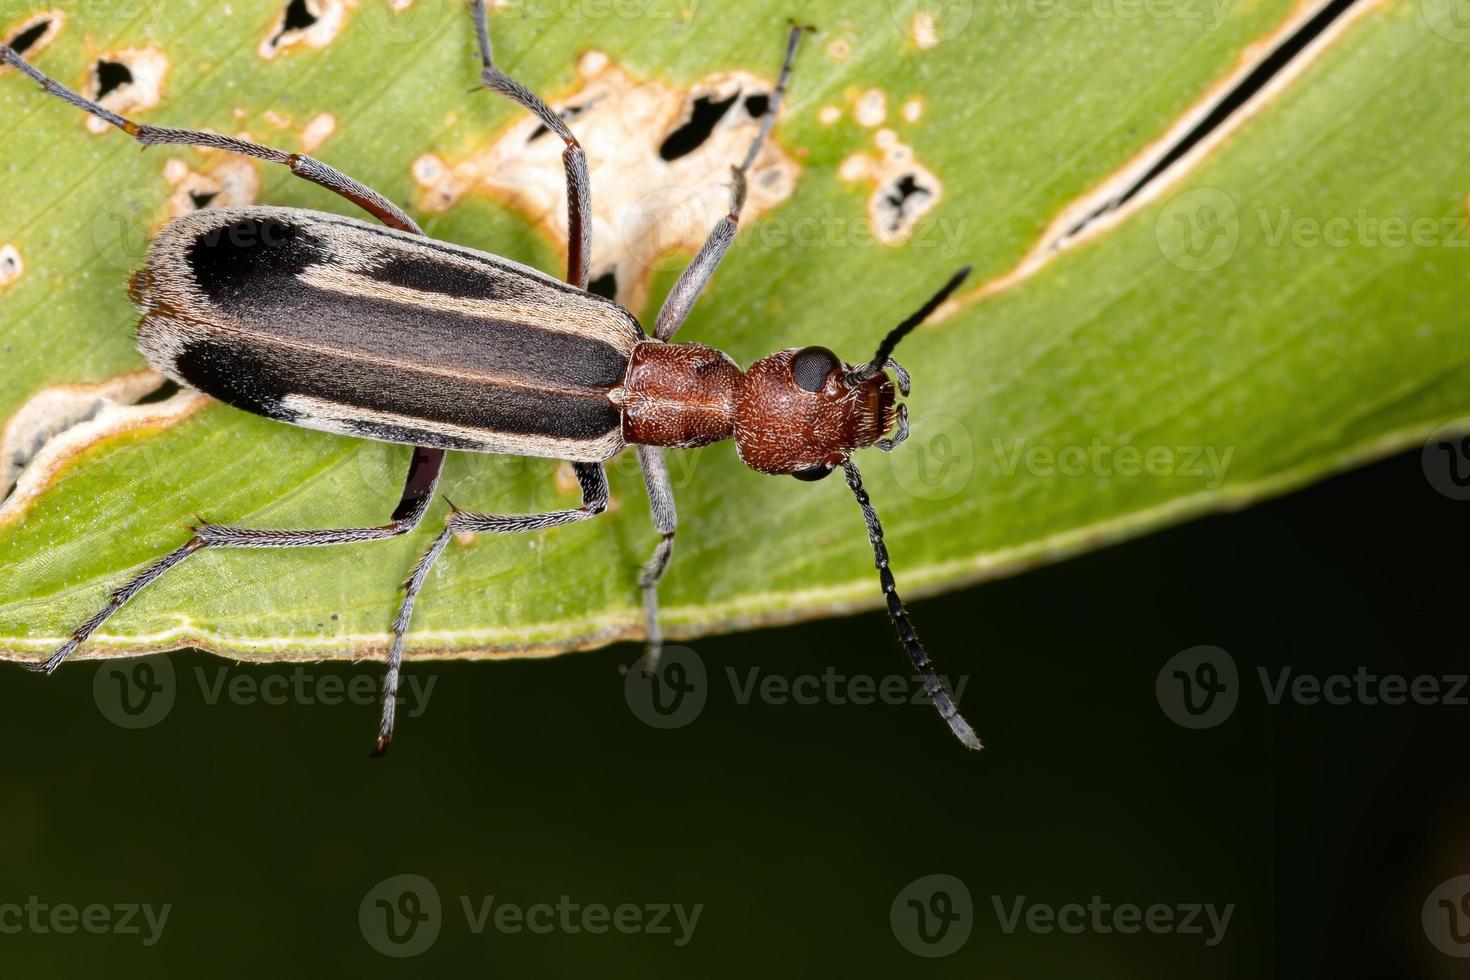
(1288, 303)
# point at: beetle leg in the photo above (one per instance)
(665, 521)
(697, 274)
(418, 492)
(594, 501)
(579, 192)
(301, 165)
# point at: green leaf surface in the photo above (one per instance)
(1292, 303)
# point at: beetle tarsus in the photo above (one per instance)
(49, 665)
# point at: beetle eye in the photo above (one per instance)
(811, 365)
(812, 474)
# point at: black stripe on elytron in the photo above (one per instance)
(428, 275)
(232, 261)
(494, 263)
(246, 383)
(259, 376)
(250, 269)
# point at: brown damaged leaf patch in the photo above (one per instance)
(1090, 216)
(34, 34)
(58, 424)
(647, 206)
(128, 82)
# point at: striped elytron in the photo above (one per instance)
(409, 340)
(381, 333)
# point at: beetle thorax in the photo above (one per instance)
(679, 395)
(687, 395)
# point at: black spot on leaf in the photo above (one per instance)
(703, 118)
(23, 41)
(605, 285)
(298, 17)
(111, 76)
(906, 193)
(757, 104)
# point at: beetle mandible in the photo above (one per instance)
(378, 332)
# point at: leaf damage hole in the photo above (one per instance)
(10, 265)
(904, 196)
(567, 115)
(605, 285)
(666, 152)
(228, 182)
(305, 23)
(298, 17)
(1224, 111)
(871, 109)
(22, 42)
(904, 190)
(924, 30)
(57, 423)
(127, 82)
(34, 34)
(1263, 71)
(704, 115)
(111, 76)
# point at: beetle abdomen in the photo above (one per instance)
(340, 325)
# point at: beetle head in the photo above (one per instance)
(798, 412)
(803, 411)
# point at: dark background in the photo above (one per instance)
(797, 826)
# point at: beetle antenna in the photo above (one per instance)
(885, 349)
(937, 692)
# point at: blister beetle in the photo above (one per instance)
(379, 332)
